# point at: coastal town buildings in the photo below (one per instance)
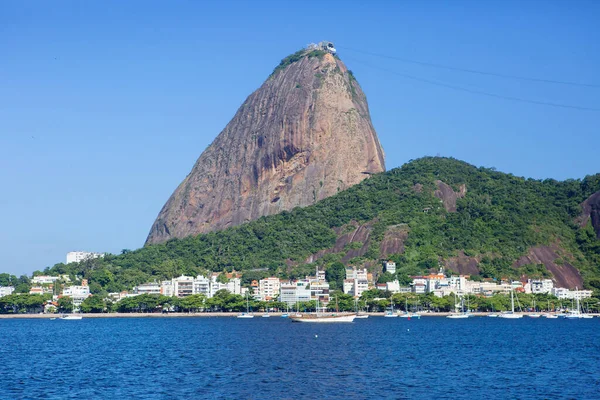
(541, 286)
(147, 288)
(567, 294)
(46, 289)
(294, 292)
(78, 256)
(268, 288)
(44, 279)
(356, 281)
(389, 266)
(6, 290)
(183, 286)
(78, 293)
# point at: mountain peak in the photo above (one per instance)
(304, 135)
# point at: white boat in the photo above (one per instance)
(358, 314)
(247, 313)
(71, 317)
(326, 318)
(511, 314)
(323, 317)
(458, 315)
(550, 316)
(493, 314)
(534, 314)
(577, 314)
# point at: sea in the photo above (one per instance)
(274, 358)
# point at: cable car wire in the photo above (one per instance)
(473, 91)
(472, 71)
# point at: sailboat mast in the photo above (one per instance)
(512, 300)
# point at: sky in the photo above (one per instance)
(106, 105)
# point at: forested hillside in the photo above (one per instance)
(429, 212)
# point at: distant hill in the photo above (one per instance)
(430, 212)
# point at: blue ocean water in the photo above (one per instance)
(260, 358)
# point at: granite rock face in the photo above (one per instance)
(304, 135)
(591, 210)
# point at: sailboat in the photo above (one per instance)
(577, 314)
(247, 313)
(390, 313)
(548, 315)
(406, 314)
(511, 314)
(72, 317)
(358, 314)
(266, 315)
(458, 315)
(534, 314)
(322, 317)
(493, 314)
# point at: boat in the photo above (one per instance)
(322, 317)
(390, 313)
(511, 314)
(358, 314)
(534, 314)
(71, 317)
(577, 314)
(548, 315)
(284, 315)
(493, 314)
(247, 313)
(458, 315)
(267, 315)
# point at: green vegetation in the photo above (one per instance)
(498, 220)
(297, 56)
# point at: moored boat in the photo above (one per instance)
(326, 318)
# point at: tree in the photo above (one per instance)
(65, 304)
(93, 304)
(335, 275)
(386, 277)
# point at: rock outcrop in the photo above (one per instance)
(591, 210)
(564, 274)
(448, 196)
(304, 135)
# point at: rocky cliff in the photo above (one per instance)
(304, 135)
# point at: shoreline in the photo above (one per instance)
(208, 315)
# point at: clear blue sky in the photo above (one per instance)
(106, 105)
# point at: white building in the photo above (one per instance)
(77, 293)
(180, 287)
(541, 286)
(390, 267)
(147, 288)
(40, 290)
(202, 286)
(44, 279)
(187, 285)
(6, 290)
(294, 292)
(563, 293)
(394, 287)
(233, 286)
(356, 282)
(268, 288)
(78, 256)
